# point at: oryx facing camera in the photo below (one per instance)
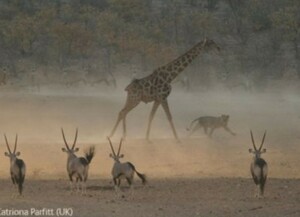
(123, 170)
(259, 167)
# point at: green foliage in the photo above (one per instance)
(287, 20)
(148, 31)
(20, 33)
(130, 10)
(258, 14)
(72, 39)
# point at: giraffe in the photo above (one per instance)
(156, 87)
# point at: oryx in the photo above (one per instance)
(78, 167)
(17, 166)
(123, 170)
(259, 167)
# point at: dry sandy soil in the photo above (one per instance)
(197, 177)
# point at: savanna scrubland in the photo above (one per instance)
(199, 176)
(66, 64)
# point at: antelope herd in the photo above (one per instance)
(156, 88)
(78, 167)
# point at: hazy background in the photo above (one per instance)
(96, 41)
(66, 64)
(37, 118)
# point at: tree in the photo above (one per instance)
(71, 40)
(20, 33)
(287, 21)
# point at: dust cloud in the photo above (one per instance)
(37, 117)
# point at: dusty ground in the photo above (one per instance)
(164, 197)
(197, 177)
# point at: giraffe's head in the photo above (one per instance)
(209, 44)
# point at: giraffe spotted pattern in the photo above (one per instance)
(156, 87)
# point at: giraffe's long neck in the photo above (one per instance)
(175, 67)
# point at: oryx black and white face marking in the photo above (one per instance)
(14, 154)
(257, 152)
(69, 150)
(122, 170)
(77, 167)
(113, 155)
(17, 166)
(259, 167)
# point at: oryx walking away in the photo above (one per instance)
(123, 170)
(78, 167)
(17, 166)
(259, 167)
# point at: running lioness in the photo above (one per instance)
(210, 122)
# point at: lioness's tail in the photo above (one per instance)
(191, 124)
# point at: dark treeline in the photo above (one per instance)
(260, 38)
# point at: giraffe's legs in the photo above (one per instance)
(154, 109)
(122, 116)
(169, 116)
